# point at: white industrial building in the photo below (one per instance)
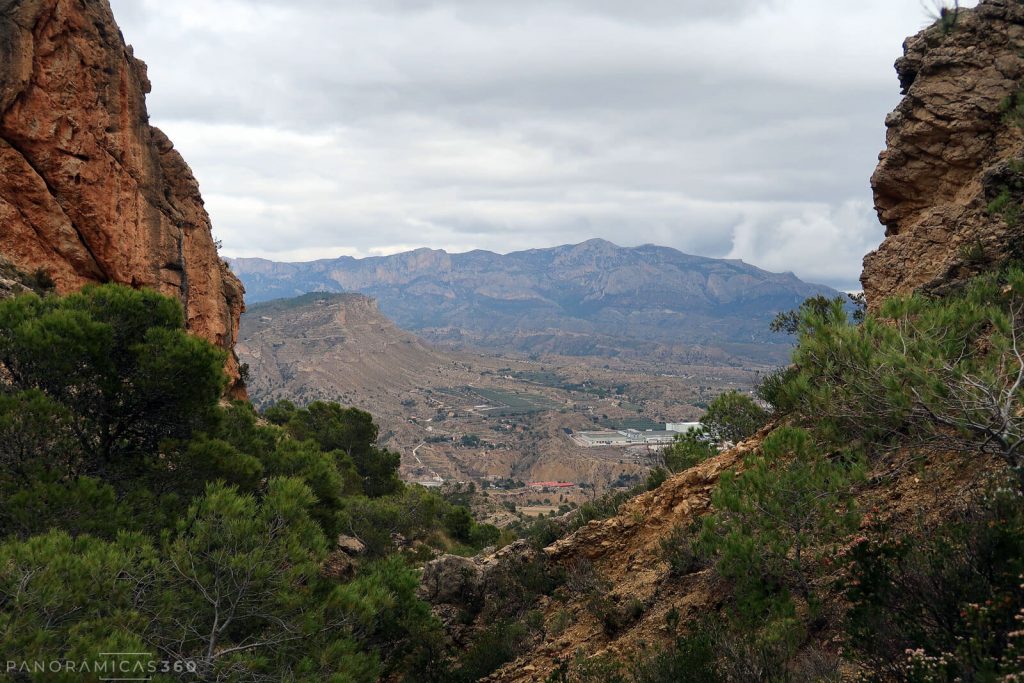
(682, 427)
(634, 437)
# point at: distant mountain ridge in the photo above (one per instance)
(593, 298)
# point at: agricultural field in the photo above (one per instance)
(507, 403)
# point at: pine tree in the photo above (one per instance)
(789, 500)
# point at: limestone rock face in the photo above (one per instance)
(89, 191)
(950, 153)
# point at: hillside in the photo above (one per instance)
(922, 582)
(589, 299)
(333, 347)
(339, 347)
(861, 520)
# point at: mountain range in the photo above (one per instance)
(588, 299)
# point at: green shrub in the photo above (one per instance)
(495, 646)
(613, 616)
(582, 578)
(519, 584)
(139, 514)
(947, 601)
(484, 535)
(41, 281)
(349, 431)
(679, 549)
(121, 363)
(789, 501)
(689, 449)
(693, 658)
(974, 254)
(733, 417)
(414, 515)
(458, 521)
(656, 477)
(772, 390)
(599, 669)
(560, 622)
(929, 373)
(947, 16)
(1012, 108)
(1005, 207)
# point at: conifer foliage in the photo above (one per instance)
(141, 515)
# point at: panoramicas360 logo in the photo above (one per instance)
(106, 666)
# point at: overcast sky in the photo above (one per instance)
(728, 128)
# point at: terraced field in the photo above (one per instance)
(508, 403)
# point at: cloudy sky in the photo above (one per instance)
(734, 128)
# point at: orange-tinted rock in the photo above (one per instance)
(89, 191)
(949, 148)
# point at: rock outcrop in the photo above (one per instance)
(949, 183)
(14, 282)
(623, 550)
(89, 191)
(463, 589)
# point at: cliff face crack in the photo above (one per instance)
(184, 271)
(95, 262)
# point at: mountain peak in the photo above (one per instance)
(598, 243)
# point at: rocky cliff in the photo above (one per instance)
(948, 185)
(89, 190)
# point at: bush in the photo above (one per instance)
(234, 588)
(413, 515)
(459, 523)
(772, 390)
(689, 449)
(614, 617)
(693, 658)
(733, 417)
(788, 501)
(581, 578)
(350, 431)
(656, 477)
(560, 622)
(495, 646)
(120, 362)
(948, 601)
(932, 373)
(141, 515)
(679, 549)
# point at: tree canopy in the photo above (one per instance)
(143, 515)
(733, 417)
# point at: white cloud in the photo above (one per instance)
(368, 126)
(822, 243)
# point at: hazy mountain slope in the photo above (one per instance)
(338, 347)
(332, 347)
(593, 298)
